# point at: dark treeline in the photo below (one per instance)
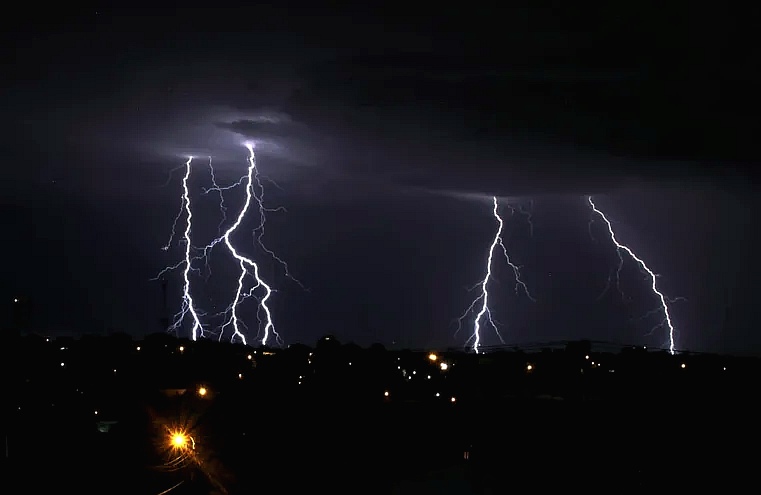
(102, 406)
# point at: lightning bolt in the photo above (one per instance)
(620, 248)
(247, 264)
(484, 312)
(188, 305)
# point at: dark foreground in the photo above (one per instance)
(279, 446)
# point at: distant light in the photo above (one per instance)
(249, 357)
(96, 413)
(240, 376)
(414, 372)
(63, 364)
(138, 348)
(385, 394)
(586, 357)
(114, 371)
(684, 366)
(15, 299)
(428, 377)
(444, 366)
(529, 367)
(433, 357)
(725, 368)
(398, 367)
(438, 394)
(349, 364)
(202, 391)
(182, 348)
(453, 399)
(593, 363)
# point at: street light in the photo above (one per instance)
(179, 440)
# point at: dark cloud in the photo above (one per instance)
(486, 126)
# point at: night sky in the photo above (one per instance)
(386, 132)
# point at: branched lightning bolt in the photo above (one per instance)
(259, 230)
(526, 212)
(653, 276)
(222, 207)
(483, 297)
(246, 264)
(188, 305)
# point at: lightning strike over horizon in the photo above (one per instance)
(247, 264)
(188, 305)
(483, 298)
(653, 276)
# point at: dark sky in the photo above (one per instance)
(387, 129)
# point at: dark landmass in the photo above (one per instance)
(95, 415)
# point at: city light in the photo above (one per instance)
(433, 357)
(530, 367)
(385, 394)
(444, 366)
(202, 391)
(684, 366)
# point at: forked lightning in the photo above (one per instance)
(484, 312)
(664, 306)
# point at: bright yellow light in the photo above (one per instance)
(444, 366)
(433, 357)
(202, 391)
(179, 440)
